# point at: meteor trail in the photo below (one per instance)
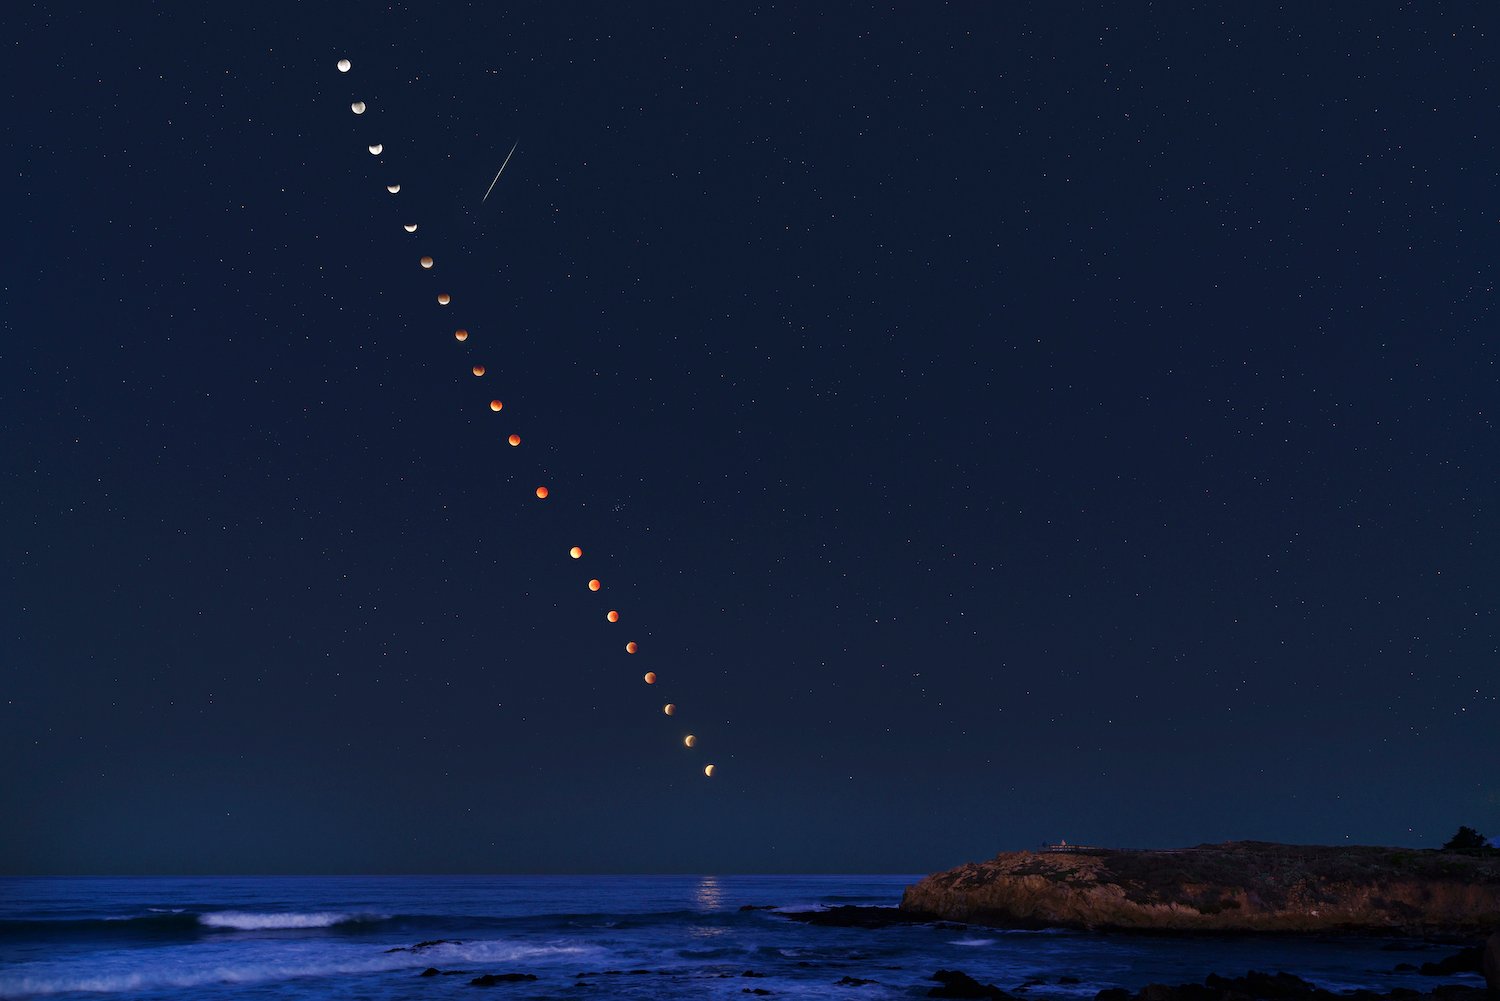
(499, 172)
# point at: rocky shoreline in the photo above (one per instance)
(1253, 986)
(1237, 887)
(1481, 959)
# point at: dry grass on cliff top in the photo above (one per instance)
(1239, 863)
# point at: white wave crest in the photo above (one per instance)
(256, 920)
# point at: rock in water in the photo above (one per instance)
(1234, 887)
(1492, 962)
(957, 984)
(1463, 961)
(491, 979)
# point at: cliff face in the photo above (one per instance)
(1239, 886)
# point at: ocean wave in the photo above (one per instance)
(265, 920)
(42, 979)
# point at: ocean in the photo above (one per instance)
(641, 937)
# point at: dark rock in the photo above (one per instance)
(431, 971)
(1460, 992)
(853, 982)
(491, 979)
(425, 945)
(761, 991)
(758, 907)
(1069, 980)
(1406, 967)
(957, 984)
(751, 973)
(855, 916)
(1463, 961)
(1184, 992)
(1491, 962)
(1256, 986)
(1267, 986)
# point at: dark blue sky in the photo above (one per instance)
(996, 423)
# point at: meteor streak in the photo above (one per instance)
(499, 172)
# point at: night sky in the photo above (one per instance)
(995, 422)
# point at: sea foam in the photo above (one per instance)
(261, 920)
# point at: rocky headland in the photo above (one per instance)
(1243, 886)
